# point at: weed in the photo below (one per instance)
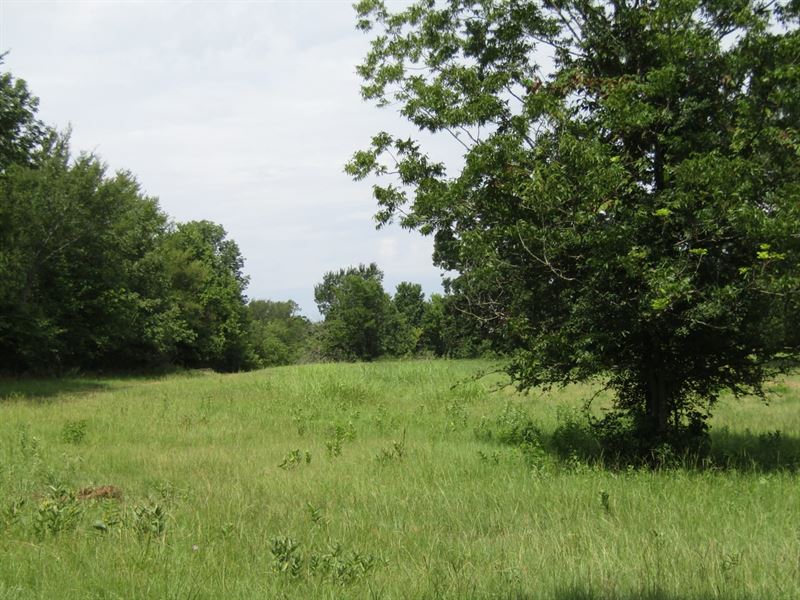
(605, 500)
(294, 459)
(345, 394)
(399, 448)
(71, 464)
(190, 420)
(74, 432)
(340, 434)
(334, 447)
(493, 458)
(455, 416)
(301, 419)
(28, 444)
(575, 464)
(111, 517)
(345, 432)
(513, 426)
(334, 565)
(534, 456)
(394, 452)
(58, 511)
(483, 430)
(340, 567)
(149, 520)
(286, 556)
(226, 530)
(315, 514)
(382, 421)
(663, 456)
(167, 491)
(731, 561)
(12, 512)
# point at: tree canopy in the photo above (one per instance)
(21, 133)
(207, 285)
(278, 332)
(93, 274)
(629, 202)
(325, 291)
(356, 309)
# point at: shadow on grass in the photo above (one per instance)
(769, 451)
(15, 389)
(581, 593)
(43, 388)
(726, 451)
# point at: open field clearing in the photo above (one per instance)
(382, 480)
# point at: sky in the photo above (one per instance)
(241, 113)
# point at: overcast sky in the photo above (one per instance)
(242, 113)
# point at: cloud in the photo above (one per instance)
(242, 113)
(387, 248)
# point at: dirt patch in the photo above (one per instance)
(103, 491)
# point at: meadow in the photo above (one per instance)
(409, 479)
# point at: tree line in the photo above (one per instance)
(94, 275)
(361, 321)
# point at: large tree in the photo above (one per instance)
(80, 284)
(325, 291)
(207, 286)
(629, 201)
(278, 332)
(22, 134)
(356, 323)
(91, 273)
(409, 300)
(356, 310)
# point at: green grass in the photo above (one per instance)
(394, 484)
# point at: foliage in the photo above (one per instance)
(149, 519)
(74, 432)
(278, 333)
(79, 284)
(21, 133)
(325, 291)
(410, 302)
(449, 328)
(207, 286)
(91, 273)
(58, 511)
(334, 565)
(405, 319)
(361, 321)
(356, 321)
(628, 204)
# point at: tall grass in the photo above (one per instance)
(386, 480)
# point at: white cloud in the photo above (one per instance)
(387, 248)
(242, 113)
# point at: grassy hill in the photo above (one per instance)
(385, 480)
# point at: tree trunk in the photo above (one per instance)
(658, 167)
(658, 408)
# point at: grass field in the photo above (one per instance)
(378, 481)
